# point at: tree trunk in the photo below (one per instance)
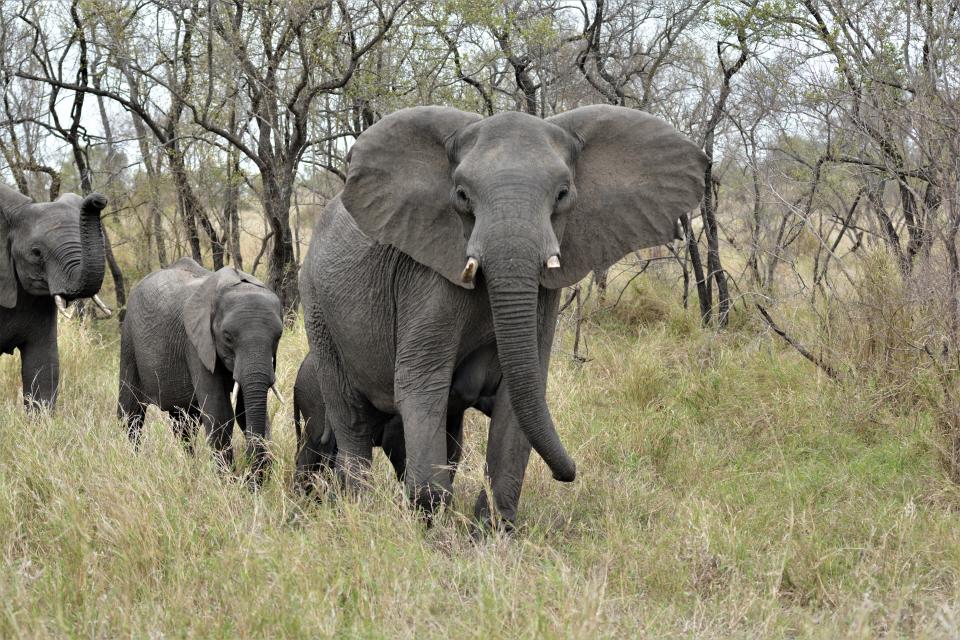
(696, 263)
(193, 211)
(714, 268)
(283, 264)
(231, 209)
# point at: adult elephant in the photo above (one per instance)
(202, 346)
(50, 254)
(454, 234)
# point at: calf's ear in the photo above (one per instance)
(198, 321)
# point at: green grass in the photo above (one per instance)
(725, 489)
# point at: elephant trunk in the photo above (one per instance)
(512, 274)
(255, 385)
(87, 282)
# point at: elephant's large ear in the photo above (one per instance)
(198, 321)
(11, 203)
(399, 185)
(635, 177)
(243, 276)
(8, 275)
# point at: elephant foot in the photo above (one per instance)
(428, 499)
(260, 463)
(254, 480)
(135, 437)
(224, 460)
(481, 530)
(257, 475)
(314, 481)
(490, 522)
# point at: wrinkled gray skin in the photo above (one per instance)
(46, 249)
(385, 300)
(189, 334)
(317, 444)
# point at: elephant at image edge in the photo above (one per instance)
(317, 445)
(456, 233)
(50, 254)
(194, 343)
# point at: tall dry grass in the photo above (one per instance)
(725, 489)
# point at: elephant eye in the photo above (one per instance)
(562, 193)
(36, 253)
(462, 195)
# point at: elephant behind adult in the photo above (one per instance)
(454, 234)
(50, 254)
(317, 444)
(194, 340)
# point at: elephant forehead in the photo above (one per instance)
(250, 297)
(53, 220)
(519, 135)
(498, 160)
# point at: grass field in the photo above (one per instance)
(725, 489)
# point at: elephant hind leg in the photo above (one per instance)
(132, 412)
(393, 445)
(316, 446)
(352, 420)
(454, 437)
(131, 405)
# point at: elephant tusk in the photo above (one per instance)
(100, 305)
(470, 270)
(63, 307)
(553, 262)
(234, 394)
(277, 393)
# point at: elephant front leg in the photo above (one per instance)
(508, 452)
(40, 372)
(217, 418)
(427, 473)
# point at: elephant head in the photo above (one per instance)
(235, 320)
(52, 248)
(524, 203)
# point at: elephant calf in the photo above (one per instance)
(317, 444)
(189, 338)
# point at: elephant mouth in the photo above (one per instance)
(36, 286)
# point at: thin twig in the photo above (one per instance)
(823, 366)
(263, 248)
